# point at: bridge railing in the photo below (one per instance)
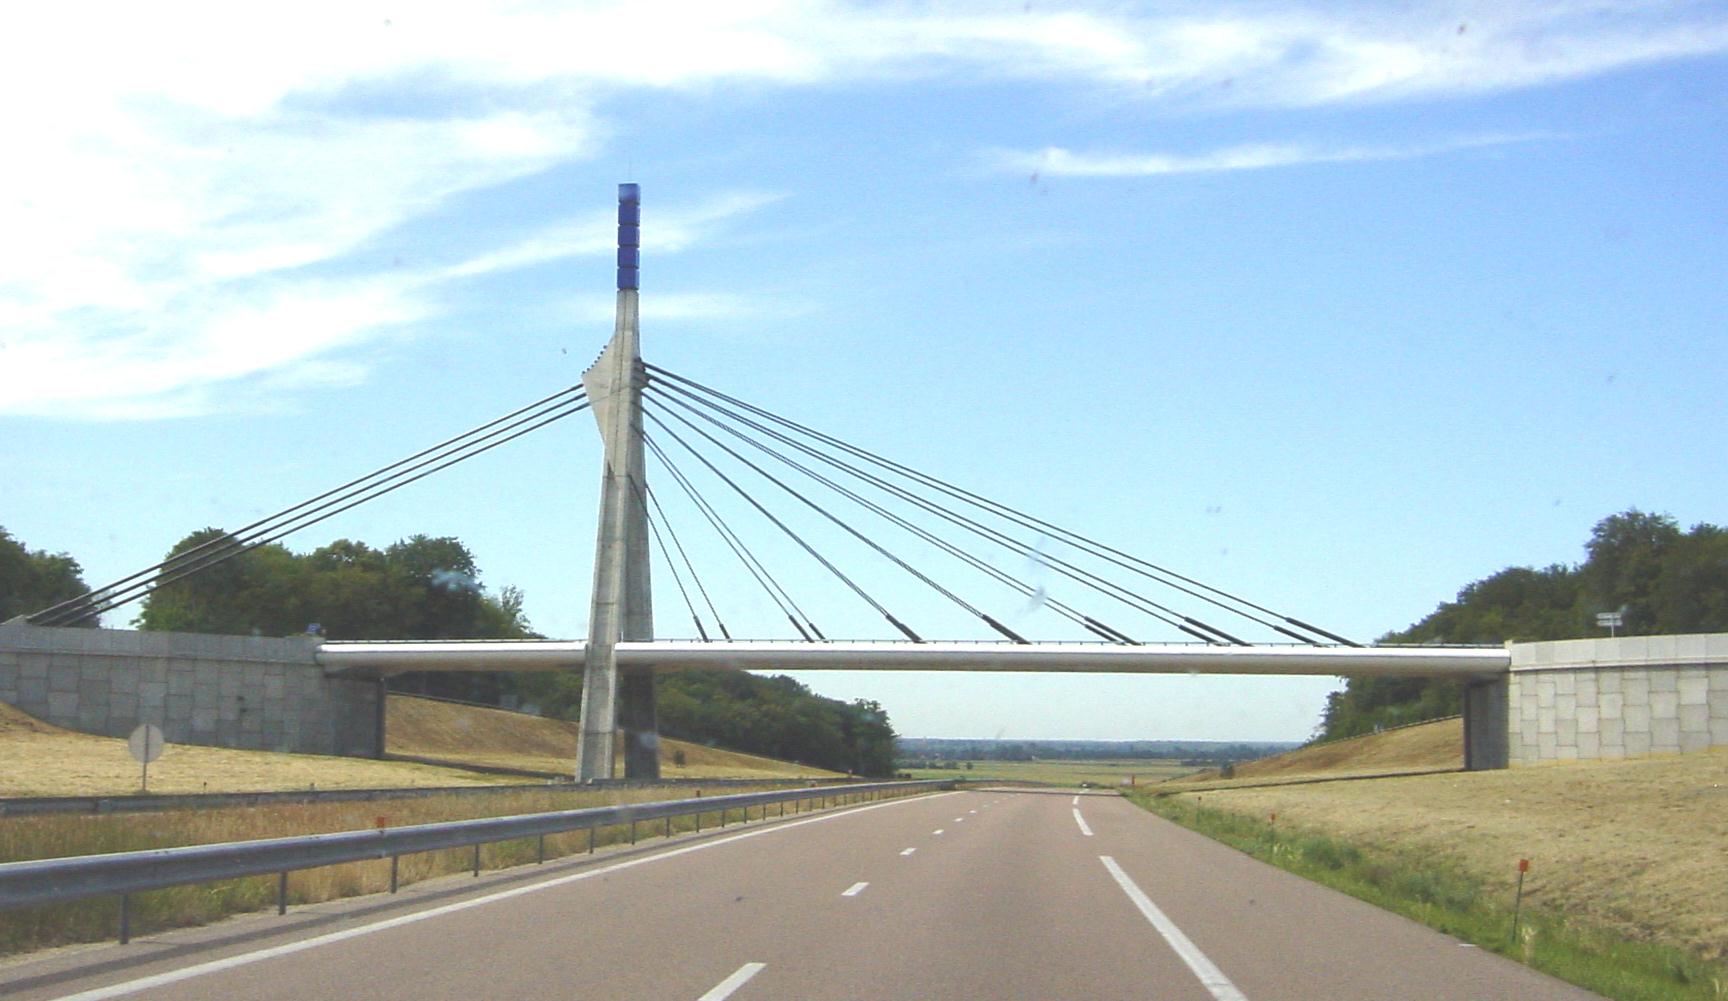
(60, 880)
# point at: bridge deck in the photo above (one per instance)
(1083, 658)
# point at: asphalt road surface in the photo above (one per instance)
(977, 895)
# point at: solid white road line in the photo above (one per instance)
(1082, 822)
(1212, 978)
(908, 851)
(854, 889)
(1076, 800)
(741, 976)
(248, 958)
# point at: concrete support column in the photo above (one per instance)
(637, 718)
(1487, 728)
(622, 600)
(380, 714)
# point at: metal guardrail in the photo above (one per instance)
(60, 880)
(27, 806)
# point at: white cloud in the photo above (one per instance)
(169, 364)
(1054, 161)
(175, 168)
(674, 229)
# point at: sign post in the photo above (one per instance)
(146, 746)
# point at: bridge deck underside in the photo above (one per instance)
(1464, 663)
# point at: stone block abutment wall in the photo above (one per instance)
(221, 691)
(1617, 698)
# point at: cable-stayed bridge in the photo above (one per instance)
(808, 495)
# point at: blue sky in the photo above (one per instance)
(1339, 307)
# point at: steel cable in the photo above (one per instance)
(1127, 561)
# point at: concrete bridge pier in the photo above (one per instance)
(622, 601)
(1487, 728)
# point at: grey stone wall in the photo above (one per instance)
(1618, 698)
(222, 691)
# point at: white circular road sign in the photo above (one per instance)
(145, 743)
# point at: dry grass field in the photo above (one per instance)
(427, 728)
(38, 759)
(1638, 846)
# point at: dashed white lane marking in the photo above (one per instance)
(1082, 822)
(1212, 978)
(937, 831)
(908, 851)
(248, 958)
(854, 890)
(723, 990)
(971, 811)
(959, 820)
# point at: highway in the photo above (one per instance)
(980, 895)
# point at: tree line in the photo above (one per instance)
(426, 588)
(1659, 578)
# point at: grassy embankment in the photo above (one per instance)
(36, 758)
(1624, 895)
(444, 731)
(1425, 747)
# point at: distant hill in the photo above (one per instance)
(962, 749)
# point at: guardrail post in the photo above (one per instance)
(722, 816)
(540, 858)
(590, 840)
(125, 918)
(394, 859)
(668, 826)
(698, 821)
(282, 893)
(476, 861)
(632, 832)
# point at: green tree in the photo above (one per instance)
(775, 716)
(1626, 556)
(1691, 591)
(237, 593)
(32, 580)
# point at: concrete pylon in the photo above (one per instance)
(622, 601)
